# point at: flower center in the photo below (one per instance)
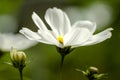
(60, 39)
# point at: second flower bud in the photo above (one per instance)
(18, 58)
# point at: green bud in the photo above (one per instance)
(18, 58)
(92, 73)
(93, 70)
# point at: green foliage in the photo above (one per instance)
(9, 6)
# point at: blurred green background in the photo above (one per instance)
(43, 61)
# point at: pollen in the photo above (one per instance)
(60, 39)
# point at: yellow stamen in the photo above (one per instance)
(60, 39)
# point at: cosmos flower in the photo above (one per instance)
(18, 41)
(62, 33)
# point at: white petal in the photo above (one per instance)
(30, 34)
(99, 37)
(48, 37)
(77, 36)
(18, 41)
(58, 21)
(91, 26)
(37, 20)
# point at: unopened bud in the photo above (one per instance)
(92, 73)
(93, 70)
(18, 58)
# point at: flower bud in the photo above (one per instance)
(18, 58)
(93, 70)
(92, 73)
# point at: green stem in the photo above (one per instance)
(20, 72)
(1, 54)
(61, 67)
(91, 78)
(62, 60)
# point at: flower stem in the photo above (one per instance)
(61, 67)
(1, 54)
(21, 74)
(62, 60)
(91, 79)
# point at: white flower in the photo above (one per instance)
(18, 41)
(62, 33)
